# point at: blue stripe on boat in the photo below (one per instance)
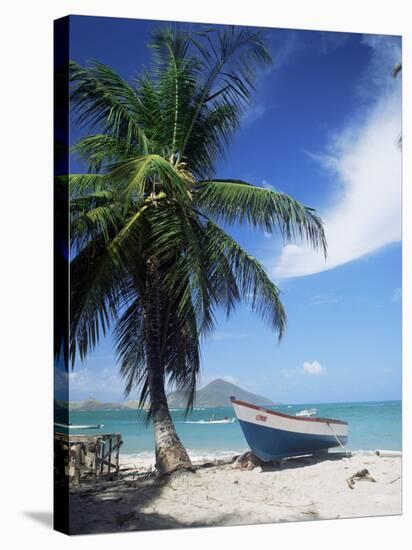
(268, 443)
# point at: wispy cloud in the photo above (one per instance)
(100, 383)
(253, 113)
(365, 163)
(288, 373)
(323, 300)
(332, 40)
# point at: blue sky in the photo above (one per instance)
(323, 128)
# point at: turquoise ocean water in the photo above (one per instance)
(372, 425)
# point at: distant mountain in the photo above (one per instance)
(217, 394)
(92, 404)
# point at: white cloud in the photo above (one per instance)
(397, 295)
(313, 368)
(365, 162)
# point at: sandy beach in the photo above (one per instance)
(217, 494)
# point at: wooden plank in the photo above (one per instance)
(117, 453)
(97, 454)
(110, 455)
(96, 451)
(103, 443)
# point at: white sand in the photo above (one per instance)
(297, 489)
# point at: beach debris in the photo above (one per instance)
(87, 456)
(393, 480)
(388, 454)
(362, 475)
(215, 462)
(247, 461)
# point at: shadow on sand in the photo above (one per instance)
(124, 505)
(302, 461)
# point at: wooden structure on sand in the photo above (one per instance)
(88, 456)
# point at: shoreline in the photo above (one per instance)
(146, 459)
(295, 489)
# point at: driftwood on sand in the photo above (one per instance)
(362, 475)
(247, 461)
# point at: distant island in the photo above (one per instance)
(216, 394)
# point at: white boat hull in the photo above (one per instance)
(271, 434)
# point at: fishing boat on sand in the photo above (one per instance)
(271, 434)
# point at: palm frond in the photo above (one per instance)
(102, 99)
(234, 201)
(95, 295)
(80, 184)
(129, 337)
(397, 69)
(100, 150)
(229, 72)
(256, 288)
(150, 175)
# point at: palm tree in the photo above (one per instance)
(397, 69)
(150, 260)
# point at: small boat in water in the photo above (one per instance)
(306, 412)
(271, 434)
(225, 420)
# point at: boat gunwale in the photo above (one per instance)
(290, 417)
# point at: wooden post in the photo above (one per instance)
(102, 441)
(82, 450)
(117, 453)
(110, 455)
(96, 454)
(77, 462)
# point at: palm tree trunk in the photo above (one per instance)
(170, 453)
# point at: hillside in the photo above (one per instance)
(217, 394)
(92, 404)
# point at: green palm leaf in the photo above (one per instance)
(102, 99)
(255, 287)
(236, 201)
